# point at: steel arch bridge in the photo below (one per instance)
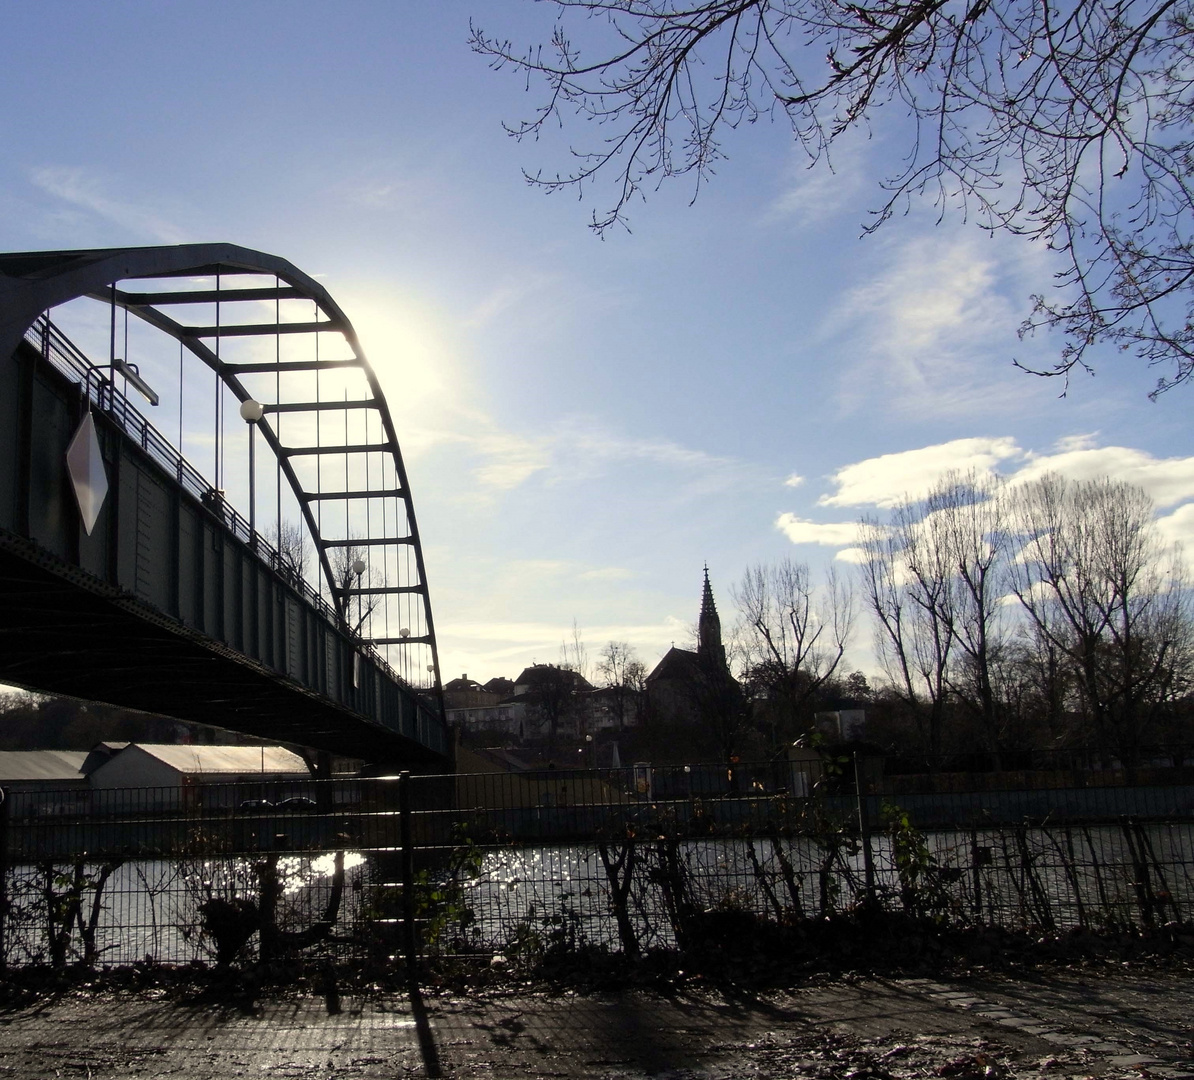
(314, 627)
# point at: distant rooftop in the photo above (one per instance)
(205, 760)
(52, 765)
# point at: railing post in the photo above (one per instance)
(864, 831)
(409, 936)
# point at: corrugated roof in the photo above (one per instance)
(40, 765)
(210, 760)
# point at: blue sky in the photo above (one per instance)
(585, 422)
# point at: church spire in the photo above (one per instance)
(709, 646)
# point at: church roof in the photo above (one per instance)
(676, 664)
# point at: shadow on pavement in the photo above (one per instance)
(428, 1051)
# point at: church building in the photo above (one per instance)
(689, 687)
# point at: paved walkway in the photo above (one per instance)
(1063, 1025)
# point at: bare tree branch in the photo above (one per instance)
(1070, 125)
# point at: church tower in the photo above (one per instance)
(710, 650)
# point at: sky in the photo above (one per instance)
(585, 422)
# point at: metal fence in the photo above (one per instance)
(520, 866)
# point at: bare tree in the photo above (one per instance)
(794, 634)
(968, 518)
(574, 655)
(1105, 593)
(555, 694)
(350, 568)
(1037, 693)
(624, 675)
(1067, 124)
(290, 542)
(906, 587)
(936, 580)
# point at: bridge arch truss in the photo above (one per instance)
(335, 512)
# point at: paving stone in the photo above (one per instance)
(1062, 1038)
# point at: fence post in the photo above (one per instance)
(3, 878)
(864, 830)
(409, 937)
(976, 871)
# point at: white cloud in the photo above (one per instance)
(503, 297)
(1069, 443)
(581, 448)
(831, 534)
(511, 460)
(384, 195)
(1168, 481)
(1178, 527)
(607, 573)
(794, 481)
(888, 479)
(933, 327)
(571, 450)
(481, 647)
(547, 635)
(818, 190)
(81, 188)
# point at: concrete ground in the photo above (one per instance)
(1067, 1023)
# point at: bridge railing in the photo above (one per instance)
(57, 349)
(102, 393)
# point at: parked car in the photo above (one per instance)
(297, 802)
(255, 804)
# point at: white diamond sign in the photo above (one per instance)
(85, 464)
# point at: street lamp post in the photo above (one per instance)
(250, 412)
